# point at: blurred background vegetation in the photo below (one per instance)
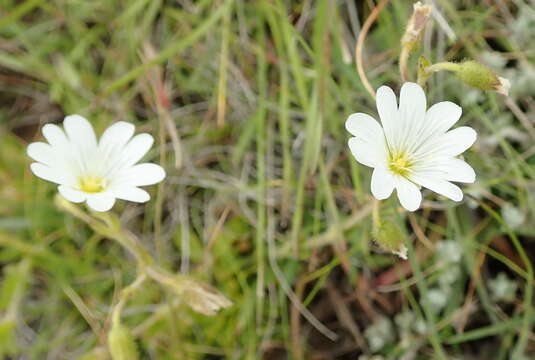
(247, 101)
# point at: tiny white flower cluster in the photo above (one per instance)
(380, 333)
(503, 288)
(414, 146)
(97, 172)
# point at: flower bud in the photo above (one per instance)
(481, 77)
(203, 298)
(121, 343)
(423, 75)
(199, 296)
(389, 236)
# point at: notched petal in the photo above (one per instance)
(101, 201)
(409, 195)
(382, 183)
(363, 126)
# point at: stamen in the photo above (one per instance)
(92, 184)
(400, 164)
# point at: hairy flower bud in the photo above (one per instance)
(203, 298)
(390, 237)
(481, 77)
(199, 296)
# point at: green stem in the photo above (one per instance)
(125, 294)
(525, 330)
(376, 212)
(108, 225)
(142, 256)
(424, 71)
(404, 62)
(434, 339)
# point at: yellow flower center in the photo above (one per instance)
(400, 164)
(92, 184)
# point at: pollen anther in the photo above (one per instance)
(400, 164)
(92, 184)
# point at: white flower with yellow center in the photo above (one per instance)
(91, 171)
(413, 147)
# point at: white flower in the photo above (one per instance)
(91, 171)
(413, 147)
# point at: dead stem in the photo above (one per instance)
(360, 45)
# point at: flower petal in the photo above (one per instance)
(409, 195)
(47, 173)
(459, 171)
(451, 144)
(140, 175)
(369, 144)
(439, 186)
(131, 193)
(100, 201)
(363, 126)
(56, 137)
(456, 141)
(387, 107)
(67, 159)
(438, 119)
(412, 102)
(412, 106)
(442, 116)
(83, 144)
(382, 183)
(80, 132)
(112, 147)
(136, 149)
(372, 154)
(41, 152)
(73, 195)
(116, 136)
(445, 167)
